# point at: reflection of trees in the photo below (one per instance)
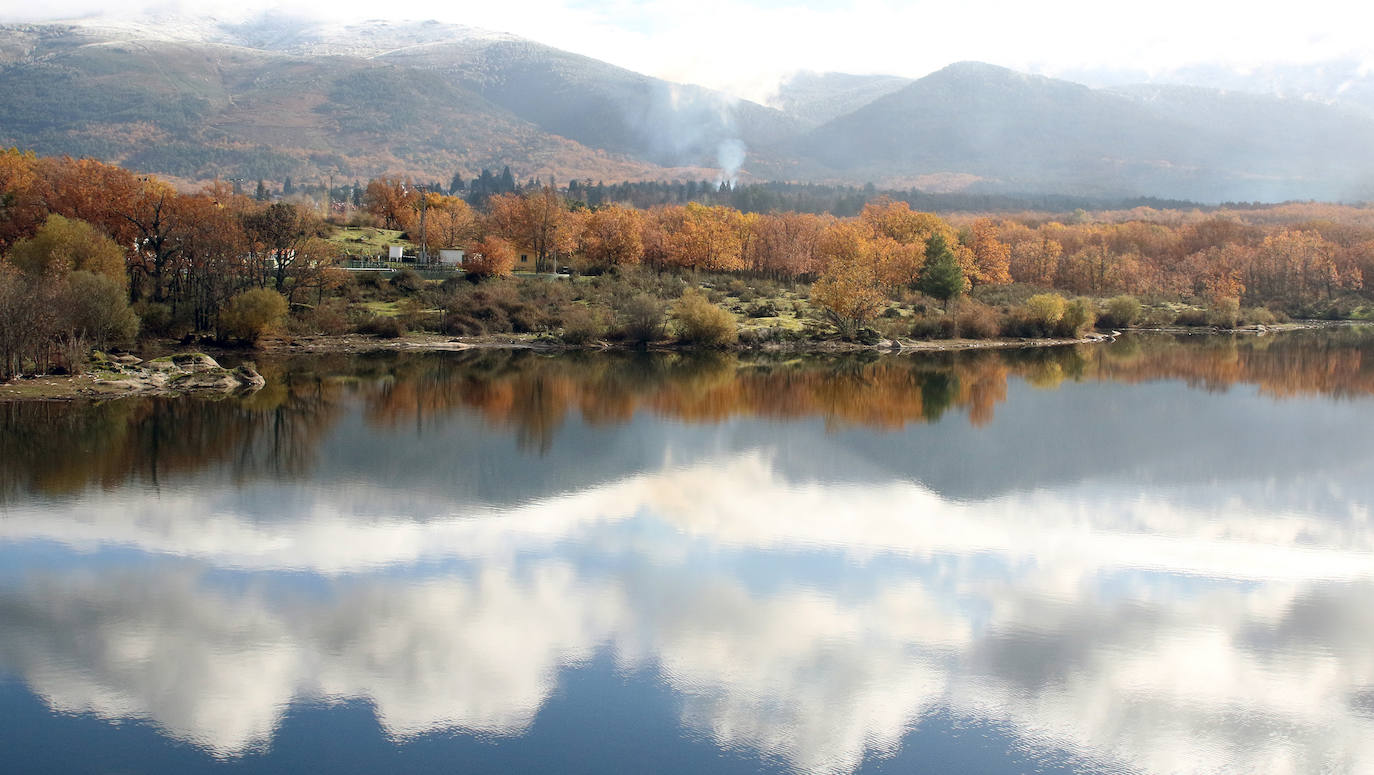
(1299, 363)
(62, 448)
(533, 394)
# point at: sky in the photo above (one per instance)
(747, 46)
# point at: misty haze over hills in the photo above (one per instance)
(281, 97)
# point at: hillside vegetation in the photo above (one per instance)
(94, 255)
(426, 101)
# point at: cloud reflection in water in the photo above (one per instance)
(1155, 633)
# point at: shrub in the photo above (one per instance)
(762, 309)
(1045, 310)
(642, 318)
(461, 324)
(414, 315)
(701, 322)
(1224, 313)
(978, 321)
(251, 314)
(156, 318)
(506, 306)
(869, 336)
(1122, 312)
(1258, 316)
(933, 327)
(96, 309)
(159, 320)
(381, 326)
(891, 327)
(1191, 318)
(329, 317)
(1079, 316)
(583, 324)
(408, 281)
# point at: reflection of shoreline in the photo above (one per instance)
(532, 398)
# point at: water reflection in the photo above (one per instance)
(811, 577)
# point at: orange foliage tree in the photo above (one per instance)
(491, 257)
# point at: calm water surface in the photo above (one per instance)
(1154, 556)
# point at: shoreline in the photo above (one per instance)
(93, 386)
(355, 343)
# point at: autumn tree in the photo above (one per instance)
(65, 245)
(611, 236)
(491, 257)
(849, 289)
(388, 199)
(21, 201)
(1035, 260)
(288, 246)
(991, 256)
(213, 266)
(709, 238)
(92, 191)
(536, 220)
(897, 221)
(155, 215)
(452, 223)
(787, 244)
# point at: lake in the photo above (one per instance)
(1149, 556)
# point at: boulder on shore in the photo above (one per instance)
(185, 373)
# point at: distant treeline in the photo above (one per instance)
(841, 200)
(91, 253)
(844, 201)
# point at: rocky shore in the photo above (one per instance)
(112, 376)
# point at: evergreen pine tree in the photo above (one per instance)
(941, 278)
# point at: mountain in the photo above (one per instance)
(608, 107)
(1343, 82)
(1029, 132)
(816, 98)
(198, 104)
(281, 96)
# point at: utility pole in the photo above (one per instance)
(424, 209)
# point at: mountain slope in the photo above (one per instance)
(197, 110)
(1036, 133)
(284, 97)
(608, 107)
(816, 98)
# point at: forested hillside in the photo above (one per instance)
(426, 101)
